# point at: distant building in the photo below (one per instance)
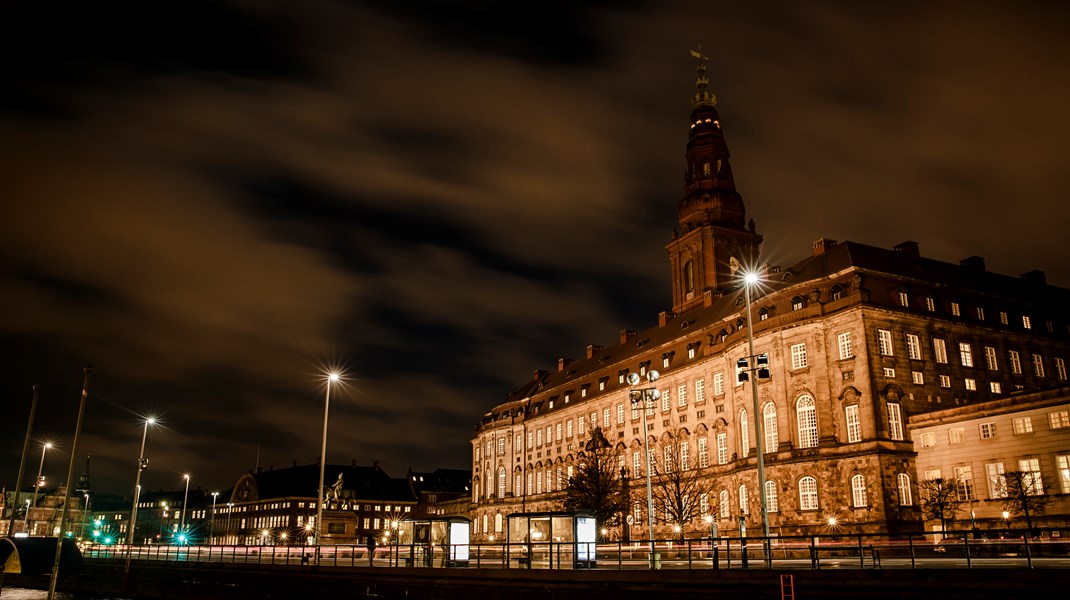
(40, 515)
(975, 445)
(441, 492)
(860, 340)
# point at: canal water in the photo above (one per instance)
(14, 593)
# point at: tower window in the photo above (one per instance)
(689, 276)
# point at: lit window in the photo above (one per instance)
(1022, 425)
(971, 384)
(771, 504)
(606, 421)
(858, 490)
(966, 354)
(884, 341)
(725, 510)
(1038, 365)
(798, 356)
(904, 299)
(684, 461)
(889, 372)
(945, 381)
(1059, 419)
(797, 303)
(964, 482)
(990, 358)
(940, 350)
(1016, 362)
(980, 314)
(995, 387)
(988, 431)
(1062, 465)
(620, 414)
(1026, 322)
(955, 309)
(930, 305)
(569, 427)
(808, 493)
(806, 418)
(997, 482)
(917, 377)
(1060, 369)
(1032, 481)
(845, 345)
(854, 426)
(1002, 317)
(895, 421)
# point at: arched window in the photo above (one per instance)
(806, 415)
(858, 491)
(518, 485)
(807, 493)
(722, 336)
(744, 434)
(903, 483)
(475, 490)
(797, 303)
(689, 275)
(725, 510)
(763, 313)
(498, 523)
(744, 507)
(772, 438)
(501, 482)
(771, 504)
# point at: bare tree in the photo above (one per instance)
(1025, 494)
(939, 500)
(680, 485)
(596, 486)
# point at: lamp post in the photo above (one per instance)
(37, 483)
(22, 464)
(331, 378)
(230, 509)
(85, 515)
(142, 464)
(211, 522)
(646, 395)
(749, 280)
(182, 514)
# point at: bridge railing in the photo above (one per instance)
(961, 549)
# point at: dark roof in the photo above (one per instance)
(443, 481)
(365, 483)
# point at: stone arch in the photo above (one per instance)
(850, 394)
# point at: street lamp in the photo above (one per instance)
(182, 514)
(37, 483)
(142, 464)
(750, 278)
(331, 378)
(646, 395)
(211, 522)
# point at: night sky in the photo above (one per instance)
(215, 202)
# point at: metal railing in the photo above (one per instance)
(980, 549)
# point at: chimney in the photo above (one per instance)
(707, 298)
(539, 374)
(627, 334)
(973, 263)
(821, 245)
(664, 317)
(1036, 277)
(562, 363)
(908, 248)
(591, 349)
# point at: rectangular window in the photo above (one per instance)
(1062, 465)
(956, 435)
(971, 384)
(995, 387)
(637, 464)
(681, 395)
(722, 448)
(620, 414)
(703, 453)
(1038, 365)
(917, 377)
(955, 310)
(538, 438)
(966, 354)
(854, 427)
(718, 384)
(635, 410)
(1059, 419)
(990, 358)
(1032, 481)
(581, 427)
(666, 400)
(889, 372)
(1060, 369)
(684, 461)
(930, 305)
(1016, 362)
(606, 421)
(845, 345)
(1027, 323)
(913, 346)
(931, 474)
(501, 445)
(895, 421)
(980, 314)
(1002, 317)
(945, 381)
(798, 356)
(940, 350)
(569, 427)
(700, 391)
(988, 431)
(557, 431)
(884, 341)
(1022, 425)
(997, 483)
(964, 482)
(927, 439)
(904, 299)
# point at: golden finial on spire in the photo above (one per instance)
(702, 95)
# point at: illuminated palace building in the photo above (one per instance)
(859, 340)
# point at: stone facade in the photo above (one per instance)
(859, 340)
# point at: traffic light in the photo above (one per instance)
(762, 362)
(741, 370)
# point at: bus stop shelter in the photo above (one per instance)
(433, 541)
(552, 540)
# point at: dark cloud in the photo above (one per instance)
(214, 202)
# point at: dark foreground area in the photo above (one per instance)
(153, 580)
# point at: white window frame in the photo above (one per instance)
(858, 491)
(769, 428)
(808, 496)
(913, 346)
(854, 424)
(966, 354)
(906, 497)
(798, 356)
(884, 342)
(744, 433)
(703, 452)
(895, 421)
(1016, 361)
(722, 448)
(940, 350)
(806, 421)
(843, 340)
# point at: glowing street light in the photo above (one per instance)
(750, 279)
(37, 484)
(331, 378)
(182, 514)
(646, 396)
(211, 523)
(142, 464)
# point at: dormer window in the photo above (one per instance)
(836, 292)
(763, 314)
(722, 336)
(691, 348)
(621, 375)
(602, 383)
(797, 303)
